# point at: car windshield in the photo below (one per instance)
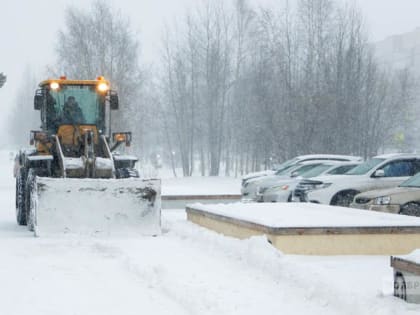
(286, 170)
(412, 181)
(365, 167)
(304, 168)
(340, 170)
(286, 165)
(318, 170)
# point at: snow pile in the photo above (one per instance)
(414, 256)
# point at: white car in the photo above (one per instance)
(251, 188)
(382, 171)
(282, 190)
(300, 159)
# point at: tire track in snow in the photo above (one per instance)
(215, 278)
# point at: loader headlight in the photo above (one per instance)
(103, 87)
(38, 136)
(120, 137)
(54, 86)
(384, 200)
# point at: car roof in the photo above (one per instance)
(329, 157)
(328, 162)
(397, 155)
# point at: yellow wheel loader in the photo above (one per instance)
(72, 180)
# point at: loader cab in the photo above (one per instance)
(74, 102)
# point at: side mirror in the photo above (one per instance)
(294, 174)
(379, 173)
(113, 101)
(38, 100)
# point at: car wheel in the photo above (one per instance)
(411, 208)
(400, 288)
(344, 198)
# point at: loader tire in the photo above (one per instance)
(126, 173)
(20, 198)
(30, 181)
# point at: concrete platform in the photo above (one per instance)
(312, 229)
(407, 276)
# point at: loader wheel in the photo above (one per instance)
(30, 181)
(20, 198)
(126, 173)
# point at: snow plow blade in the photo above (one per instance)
(122, 207)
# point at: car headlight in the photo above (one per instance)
(384, 200)
(320, 186)
(276, 188)
(308, 186)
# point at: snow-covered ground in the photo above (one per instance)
(201, 186)
(186, 270)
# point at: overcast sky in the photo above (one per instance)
(28, 28)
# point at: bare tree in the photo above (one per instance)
(97, 42)
(23, 117)
(244, 89)
(2, 79)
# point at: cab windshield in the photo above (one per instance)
(75, 104)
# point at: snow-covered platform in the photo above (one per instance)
(407, 276)
(312, 229)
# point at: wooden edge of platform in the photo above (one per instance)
(405, 265)
(201, 197)
(307, 230)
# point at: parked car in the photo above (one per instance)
(251, 187)
(300, 159)
(383, 171)
(282, 190)
(403, 199)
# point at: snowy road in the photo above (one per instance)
(187, 270)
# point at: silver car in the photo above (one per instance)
(251, 188)
(403, 199)
(282, 191)
(298, 160)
